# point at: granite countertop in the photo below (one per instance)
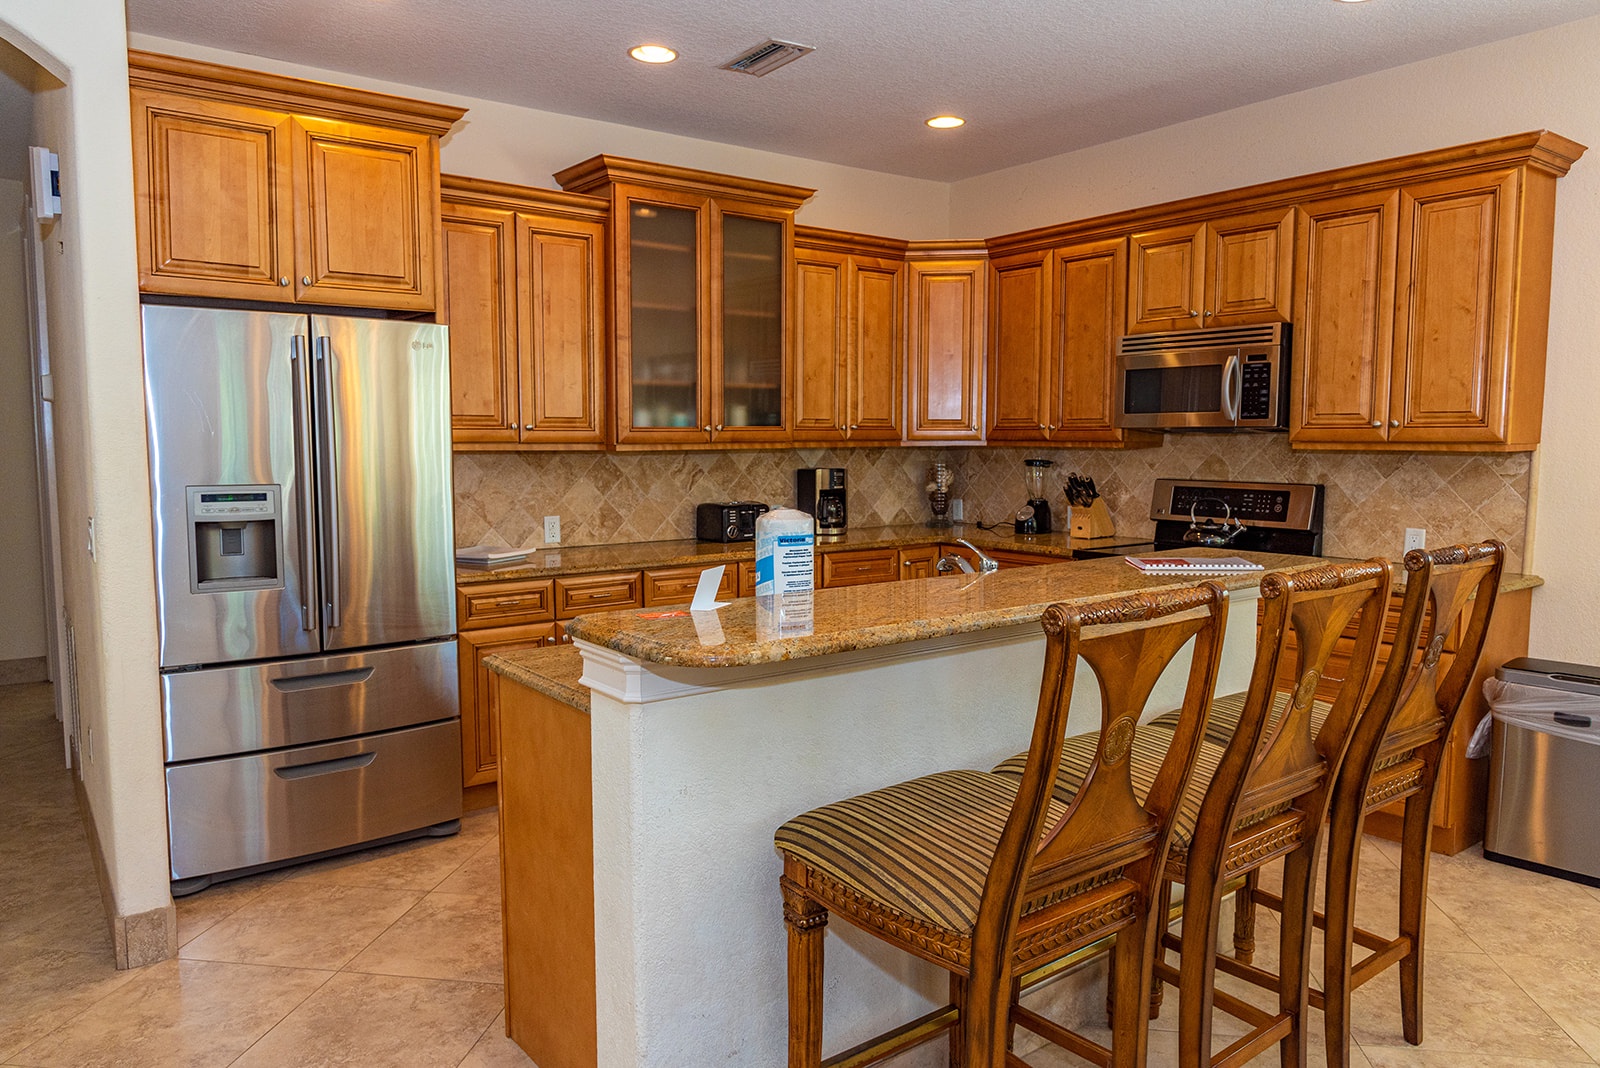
(864, 617)
(638, 555)
(553, 671)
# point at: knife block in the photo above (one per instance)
(1093, 521)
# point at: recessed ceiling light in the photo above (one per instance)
(650, 53)
(946, 122)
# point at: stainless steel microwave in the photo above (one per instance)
(1224, 378)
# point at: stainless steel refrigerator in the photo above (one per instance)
(305, 583)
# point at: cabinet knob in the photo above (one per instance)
(284, 280)
(719, 427)
(708, 428)
(528, 427)
(1377, 422)
(855, 426)
(1193, 313)
(1394, 422)
(1209, 314)
(1041, 426)
(1052, 426)
(305, 280)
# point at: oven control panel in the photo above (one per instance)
(1290, 505)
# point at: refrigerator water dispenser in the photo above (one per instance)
(233, 539)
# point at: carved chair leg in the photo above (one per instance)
(1197, 970)
(1244, 918)
(1344, 852)
(1128, 992)
(807, 923)
(1294, 951)
(1158, 989)
(957, 1037)
(1415, 844)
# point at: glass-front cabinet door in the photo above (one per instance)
(749, 400)
(665, 352)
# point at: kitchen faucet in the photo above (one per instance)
(955, 561)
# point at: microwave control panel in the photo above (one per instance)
(1255, 392)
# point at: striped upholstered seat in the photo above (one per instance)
(921, 848)
(1226, 710)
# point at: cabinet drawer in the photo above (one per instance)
(747, 578)
(501, 604)
(596, 593)
(857, 567)
(676, 585)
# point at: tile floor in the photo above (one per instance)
(392, 956)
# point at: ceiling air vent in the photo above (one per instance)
(767, 57)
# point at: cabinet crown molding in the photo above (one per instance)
(301, 96)
(845, 242)
(601, 171)
(1542, 149)
(947, 249)
(483, 193)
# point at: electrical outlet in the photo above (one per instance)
(1416, 538)
(552, 530)
(958, 510)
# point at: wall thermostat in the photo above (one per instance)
(46, 169)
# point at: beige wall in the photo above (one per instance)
(1541, 81)
(21, 566)
(514, 144)
(93, 325)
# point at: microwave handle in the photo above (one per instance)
(1232, 387)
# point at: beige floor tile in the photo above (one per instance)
(1564, 989)
(200, 1013)
(495, 1050)
(444, 936)
(479, 876)
(1413, 1057)
(199, 912)
(302, 925)
(1512, 912)
(50, 989)
(415, 864)
(366, 1020)
(1470, 1005)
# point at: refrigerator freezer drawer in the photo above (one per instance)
(236, 813)
(1543, 793)
(222, 711)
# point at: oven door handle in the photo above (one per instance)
(1232, 387)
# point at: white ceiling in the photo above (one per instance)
(1034, 78)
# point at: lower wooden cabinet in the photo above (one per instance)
(918, 563)
(480, 714)
(857, 567)
(676, 585)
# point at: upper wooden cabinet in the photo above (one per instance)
(702, 269)
(1055, 318)
(260, 187)
(1223, 272)
(849, 337)
(1422, 307)
(524, 295)
(946, 296)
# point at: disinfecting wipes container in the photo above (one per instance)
(785, 542)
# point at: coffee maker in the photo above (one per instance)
(819, 492)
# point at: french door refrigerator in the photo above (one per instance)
(305, 583)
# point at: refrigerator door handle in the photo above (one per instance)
(329, 480)
(303, 453)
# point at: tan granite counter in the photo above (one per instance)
(865, 617)
(554, 671)
(638, 555)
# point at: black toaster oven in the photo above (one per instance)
(735, 521)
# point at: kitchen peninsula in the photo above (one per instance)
(638, 800)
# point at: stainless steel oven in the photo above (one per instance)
(1227, 378)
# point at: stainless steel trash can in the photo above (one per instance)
(1544, 772)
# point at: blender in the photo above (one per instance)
(1034, 517)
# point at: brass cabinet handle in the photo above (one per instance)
(512, 603)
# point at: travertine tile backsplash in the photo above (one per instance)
(622, 497)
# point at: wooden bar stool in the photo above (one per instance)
(1395, 753)
(1264, 795)
(987, 875)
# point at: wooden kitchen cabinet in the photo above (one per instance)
(857, 567)
(1056, 316)
(1422, 308)
(676, 585)
(260, 187)
(918, 563)
(849, 337)
(1233, 271)
(524, 296)
(945, 330)
(480, 712)
(605, 592)
(702, 268)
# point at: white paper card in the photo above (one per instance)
(705, 594)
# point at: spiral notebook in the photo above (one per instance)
(1192, 565)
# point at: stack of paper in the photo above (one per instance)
(1193, 565)
(489, 556)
